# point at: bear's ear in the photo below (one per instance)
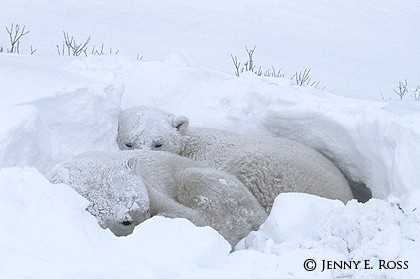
(132, 163)
(180, 123)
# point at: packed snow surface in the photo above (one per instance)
(54, 107)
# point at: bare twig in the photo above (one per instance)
(73, 48)
(33, 50)
(236, 64)
(382, 95)
(15, 34)
(416, 93)
(249, 65)
(402, 89)
(273, 73)
(303, 79)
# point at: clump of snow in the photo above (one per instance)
(312, 211)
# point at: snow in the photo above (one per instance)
(46, 232)
(358, 49)
(55, 107)
(62, 119)
(375, 231)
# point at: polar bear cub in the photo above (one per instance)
(168, 185)
(266, 166)
(117, 197)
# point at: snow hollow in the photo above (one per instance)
(54, 107)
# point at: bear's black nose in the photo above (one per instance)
(126, 223)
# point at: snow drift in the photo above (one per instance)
(44, 128)
(46, 231)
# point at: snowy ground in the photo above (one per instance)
(55, 107)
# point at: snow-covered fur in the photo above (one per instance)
(117, 197)
(177, 187)
(266, 166)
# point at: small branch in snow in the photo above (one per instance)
(236, 64)
(402, 89)
(138, 57)
(303, 79)
(33, 50)
(73, 48)
(15, 34)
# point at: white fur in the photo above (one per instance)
(266, 166)
(118, 198)
(177, 187)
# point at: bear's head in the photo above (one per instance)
(151, 129)
(121, 202)
(117, 197)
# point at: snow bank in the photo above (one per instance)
(372, 142)
(46, 232)
(376, 231)
(80, 119)
(49, 127)
(44, 227)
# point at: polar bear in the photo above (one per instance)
(117, 197)
(266, 166)
(168, 185)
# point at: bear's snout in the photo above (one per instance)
(126, 223)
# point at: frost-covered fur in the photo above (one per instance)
(117, 197)
(266, 166)
(176, 187)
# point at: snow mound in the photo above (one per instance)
(46, 232)
(52, 129)
(178, 242)
(44, 226)
(322, 229)
(372, 142)
(312, 211)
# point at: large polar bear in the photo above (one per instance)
(167, 185)
(266, 166)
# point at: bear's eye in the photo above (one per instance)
(129, 145)
(126, 223)
(157, 145)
